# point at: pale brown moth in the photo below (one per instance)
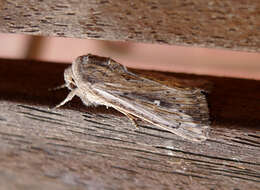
(102, 81)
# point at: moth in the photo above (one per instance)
(102, 81)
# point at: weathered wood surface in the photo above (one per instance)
(226, 24)
(76, 147)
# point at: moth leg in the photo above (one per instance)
(132, 119)
(68, 98)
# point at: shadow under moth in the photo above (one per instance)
(102, 81)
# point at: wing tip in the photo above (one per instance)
(195, 134)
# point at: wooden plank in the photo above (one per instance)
(229, 24)
(78, 147)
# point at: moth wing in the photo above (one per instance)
(178, 110)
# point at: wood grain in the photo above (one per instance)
(78, 147)
(232, 24)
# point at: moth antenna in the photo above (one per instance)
(58, 87)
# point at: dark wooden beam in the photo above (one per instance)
(228, 24)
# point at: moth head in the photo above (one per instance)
(93, 59)
(69, 79)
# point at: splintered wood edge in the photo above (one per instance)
(97, 148)
(226, 24)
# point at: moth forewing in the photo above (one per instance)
(172, 120)
(102, 81)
